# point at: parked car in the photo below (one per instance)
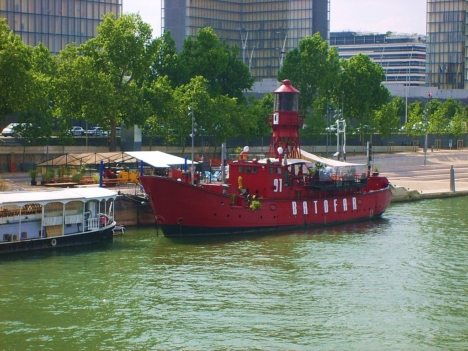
(96, 131)
(77, 131)
(118, 131)
(9, 129)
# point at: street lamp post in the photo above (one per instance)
(328, 125)
(192, 114)
(426, 125)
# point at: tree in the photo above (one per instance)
(207, 57)
(417, 124)
(193, 95)
(458, 124)
(316, 124)
(362, 90)
(387, 119)
(313, 68)
(255, 116)
(37, 119)
(15, 72)
(121, 54)
(161, 105)
(236, 78)
(438, 117)
(82, 91)
(166, 62)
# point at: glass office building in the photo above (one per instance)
(264, 30)
(403, 57)
(446, 44)
(56, 23)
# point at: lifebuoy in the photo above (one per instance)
(53, 242)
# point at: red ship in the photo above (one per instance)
(280, 192)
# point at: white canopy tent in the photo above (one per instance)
(158, 158)
(329, 162)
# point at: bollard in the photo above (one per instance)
(452, 179)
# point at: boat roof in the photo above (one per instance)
(153, 158)
(21, 198)
(310, 160)
(330, 162)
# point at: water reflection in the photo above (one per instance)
(369, 227)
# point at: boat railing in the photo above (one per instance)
(343, 182)
(99, 221)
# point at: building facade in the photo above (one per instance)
(56, 23)
(264, 30)
(447, 44)
(403, 57)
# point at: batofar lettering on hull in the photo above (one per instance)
(288, 189)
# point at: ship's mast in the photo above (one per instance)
(286, 122)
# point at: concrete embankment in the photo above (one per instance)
(419, 176)
(401, 194)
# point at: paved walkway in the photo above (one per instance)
(408, 170)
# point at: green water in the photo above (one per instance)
(397, 283)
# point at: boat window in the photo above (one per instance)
(254, 170)
(278, 170)
(247, 169)
(241, 169)
(270, 170)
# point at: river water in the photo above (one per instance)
(396, 283)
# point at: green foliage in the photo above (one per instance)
(62, 171)
(48, 175)
(207, 57)
(415, 126)
(458, 124)
(33, 174)
(387, 119)
(161, 106)
(362, 90)
(316, 120)
(166, 62)
(313, 68)
(238, 150)
(448, 117)
(102, 79)
(255, 205)
(15, 68)
(76, 178)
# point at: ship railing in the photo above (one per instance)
(345, 182)
(101, 220)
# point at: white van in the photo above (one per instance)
(9, 129)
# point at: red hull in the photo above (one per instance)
(182, 209)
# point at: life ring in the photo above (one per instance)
(53, 242)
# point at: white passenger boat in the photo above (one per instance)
(36, 220)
